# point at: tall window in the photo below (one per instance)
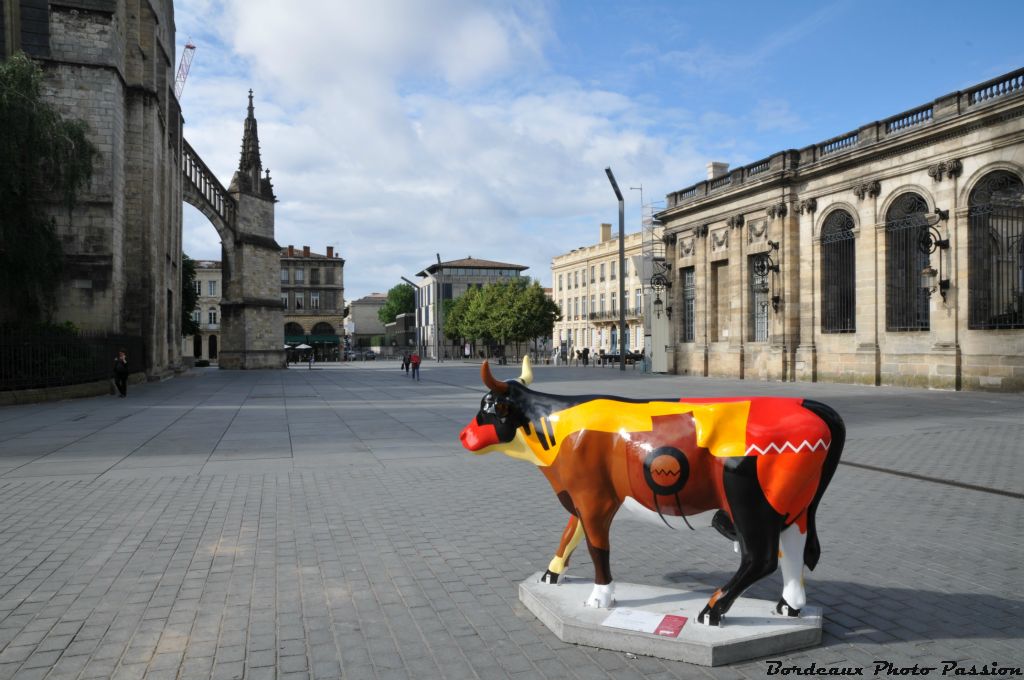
(559, 282)
(211, 315)
(330, 273)
(639, 302)
(212, 287)
(625, 268)
(299, 299)
(591, 273)
(198, 285)
(584, 299)
(314, 299)
(758, 302)
(197, 316)
(612, 276)
(838, 274)
(593, 307)
(906, 302)
(995, 261)
(284, 300)
(602, 271)
(602, 303)
(284, 275)
(613, 302)
(689, 294)
(300, 275)
(314, 275)
(576, 307)
(576, 279)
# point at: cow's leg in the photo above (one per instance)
(597, 519)
(570, 539)
(791, 554)
(757, 526)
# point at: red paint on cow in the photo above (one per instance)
(475, 437)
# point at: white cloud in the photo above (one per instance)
(394, 130)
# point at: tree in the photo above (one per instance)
(401, 300)
(189, 296)
(513, 311)
(44, 160)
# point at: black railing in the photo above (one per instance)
(38, 358)
(996, 262)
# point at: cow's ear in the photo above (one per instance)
(526, 377)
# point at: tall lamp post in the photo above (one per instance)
(416, 304)
(439, 315)
(622, 262)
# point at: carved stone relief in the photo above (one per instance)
(870, 188)
(951, 168)
(757, 231)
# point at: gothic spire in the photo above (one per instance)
(250, 166)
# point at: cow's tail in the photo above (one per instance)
(812, 549)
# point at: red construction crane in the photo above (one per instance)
(186, 62)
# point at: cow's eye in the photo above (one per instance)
(488, 405)
(501, 408)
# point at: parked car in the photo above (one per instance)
(351, 355)
(370, 355)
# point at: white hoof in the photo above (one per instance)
(601, 597)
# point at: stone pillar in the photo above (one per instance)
(807, 263)
(252, 315)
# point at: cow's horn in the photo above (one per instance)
(490, 383)
(526, 377)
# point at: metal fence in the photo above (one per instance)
(41, 358)
(996, 261)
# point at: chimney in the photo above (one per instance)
(291, 251)
(717, 169)
(305, 251)
(330, 251)
(606, 232)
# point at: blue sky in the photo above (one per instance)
(395, 129)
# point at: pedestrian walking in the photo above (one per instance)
(405, 362)
(121, 372)
(414, 361)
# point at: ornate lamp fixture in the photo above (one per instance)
(928, 242)
(765, 263)
(659, 282)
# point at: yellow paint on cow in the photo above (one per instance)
(557, 565)
(720, 427)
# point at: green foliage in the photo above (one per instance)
(401, 300)
(44, 160)
(512, 311)
(189, 296)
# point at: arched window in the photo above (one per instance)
(838, 274)
(906, 302)
(323, 328)
(292, 328)
(995, 244)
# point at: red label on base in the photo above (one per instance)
(670, 626)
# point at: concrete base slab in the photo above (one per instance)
(750, 630)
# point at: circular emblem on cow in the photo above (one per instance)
(666, 470)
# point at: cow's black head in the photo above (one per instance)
(499, 416)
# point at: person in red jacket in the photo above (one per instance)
(414, 361)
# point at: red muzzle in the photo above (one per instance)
(476, 437)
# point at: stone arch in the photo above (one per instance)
(294, 328)
(323, 328)
(978, 176)
(898, 193)
(824, 214)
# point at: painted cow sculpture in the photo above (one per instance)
(762, 462)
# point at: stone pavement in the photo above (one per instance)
(326, 523)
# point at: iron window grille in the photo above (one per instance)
(759, 301)
(838, 274)
(906, 301)
(995, 242)
(689, 295)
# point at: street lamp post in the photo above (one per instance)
(438, 316)
(622, 262)
(416, 304)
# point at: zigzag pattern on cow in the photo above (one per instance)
(775, 448)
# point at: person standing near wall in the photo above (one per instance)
(121, 372)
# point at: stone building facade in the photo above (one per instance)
(889, 255)
(367, 330)
(209, 287)
(313, 295)
(449, 281)
(585, 286)
(110, 63)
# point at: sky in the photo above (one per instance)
(397, 130)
